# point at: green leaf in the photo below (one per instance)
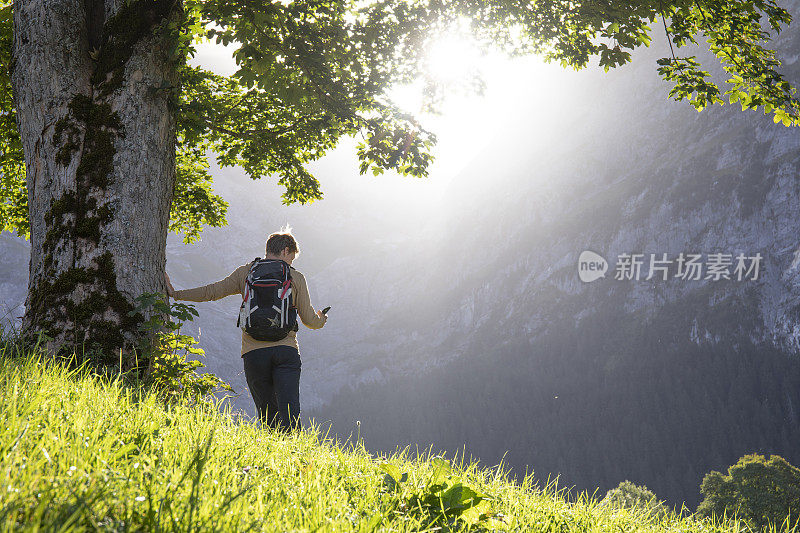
(441, 469)
(459, 496)
(391, 470)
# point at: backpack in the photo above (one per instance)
(267, 312)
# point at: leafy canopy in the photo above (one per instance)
(313, 71)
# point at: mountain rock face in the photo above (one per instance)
(14, 254)
(465, 325)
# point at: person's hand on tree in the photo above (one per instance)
(170, 288)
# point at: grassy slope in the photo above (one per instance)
(79, 453)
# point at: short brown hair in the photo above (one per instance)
(280, 240)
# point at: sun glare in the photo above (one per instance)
(466, 120)
(516, 91)
(452, 58)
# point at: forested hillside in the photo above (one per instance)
(597, 403)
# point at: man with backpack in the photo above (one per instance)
(273, 295)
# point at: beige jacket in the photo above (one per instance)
(235, 284)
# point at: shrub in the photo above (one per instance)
(761, 492)
(169, 373)
(628, 495)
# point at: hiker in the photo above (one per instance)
(272, 367)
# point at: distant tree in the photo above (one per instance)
(756, 490)
(104, 126)
(628, 495)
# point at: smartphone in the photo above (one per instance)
(325, 311)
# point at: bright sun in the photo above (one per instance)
(468, 122)
(452, 57)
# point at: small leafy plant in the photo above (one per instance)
(443, 501)
(169, 372)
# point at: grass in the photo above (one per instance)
(80, 452)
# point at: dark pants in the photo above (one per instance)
(273, 377)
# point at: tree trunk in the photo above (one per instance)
(94, 87)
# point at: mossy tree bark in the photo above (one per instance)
(94, 85)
